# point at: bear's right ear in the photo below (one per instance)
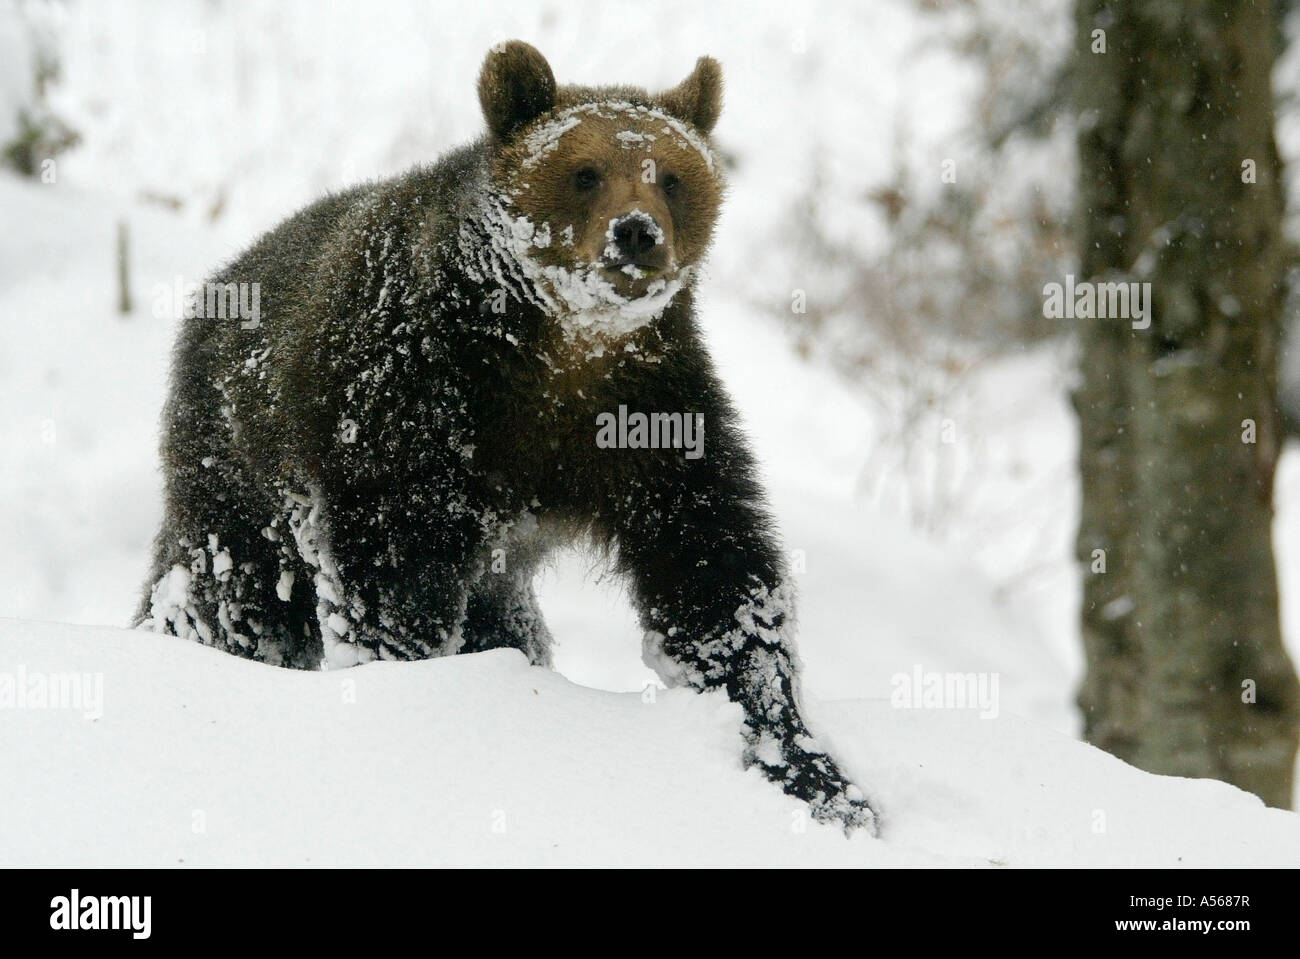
(698, 98)
(515, 87)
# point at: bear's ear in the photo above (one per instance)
(698, 98)
(515, 87)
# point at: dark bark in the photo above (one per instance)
(1186, 671)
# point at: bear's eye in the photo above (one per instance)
(672, 182)
(586, 179)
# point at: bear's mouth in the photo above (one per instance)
(630, 280)
(633, 269)
(632, 277)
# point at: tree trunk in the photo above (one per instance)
(1186, 671)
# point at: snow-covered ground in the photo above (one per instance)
(187, 755)
(281, 767)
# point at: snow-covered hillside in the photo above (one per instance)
(193, 756)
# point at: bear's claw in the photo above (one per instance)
(808, 774)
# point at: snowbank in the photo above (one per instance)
(195, 757)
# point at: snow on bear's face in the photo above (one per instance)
(626, 189)
(609, 196)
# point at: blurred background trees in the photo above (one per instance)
(31, 131)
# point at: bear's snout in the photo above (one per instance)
(636, 239)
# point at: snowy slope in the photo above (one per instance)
(202, 758)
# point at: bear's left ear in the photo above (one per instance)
(515, 87)
(698, 98)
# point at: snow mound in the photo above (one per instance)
(192, 756)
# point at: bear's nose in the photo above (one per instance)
(635, 235)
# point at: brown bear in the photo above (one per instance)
(374, 466)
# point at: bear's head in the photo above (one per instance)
(606, 197)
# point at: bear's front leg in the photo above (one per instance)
(713, 596)
(391, 568)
